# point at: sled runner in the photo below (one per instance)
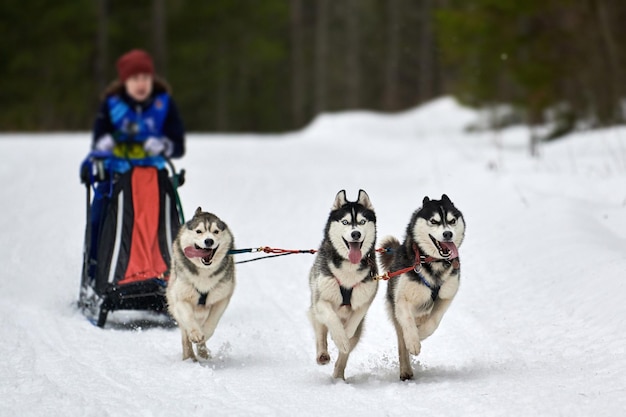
(132, 219)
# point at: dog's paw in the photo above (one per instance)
(339, 374)
(414, 347)
(427, 329)
(406, 376)
(203, 352)
(196, 336)
(323, 358)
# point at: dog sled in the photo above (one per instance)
(132, 219)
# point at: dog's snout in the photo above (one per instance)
(356, 235)
(447, 235)
(208, 242)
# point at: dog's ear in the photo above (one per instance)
(364, 200)
(340, 200)
(198, 211)
(425, 201)
(445, 199)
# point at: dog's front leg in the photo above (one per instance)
(362, 297)
(217, 310)
(187, 347)
(321, 338)
(342, 358)
(430, 325)
(406, 320)
(326, 314)
(184, 315)
(355, 320)
(406, 372)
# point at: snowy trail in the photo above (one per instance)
(535, 329)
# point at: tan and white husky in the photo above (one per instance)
(202, 280)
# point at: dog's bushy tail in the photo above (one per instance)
(391, 244)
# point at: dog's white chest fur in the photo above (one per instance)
(449, 288)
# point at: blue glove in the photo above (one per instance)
(155, 146)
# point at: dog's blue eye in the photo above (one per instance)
(344, 222)
(362, 222)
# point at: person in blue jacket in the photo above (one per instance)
(138, 121)
(138, 124)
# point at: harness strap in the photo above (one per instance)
(272, 252)
(203, 297)
(419, 260)
(434, 289)
(346, 294)
(417, 267)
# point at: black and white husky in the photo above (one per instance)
(342, 278)
(425, 271)
(202, 280)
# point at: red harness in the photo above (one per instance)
(419, 260)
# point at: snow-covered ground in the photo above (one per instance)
(537, 327)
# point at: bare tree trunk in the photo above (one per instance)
(297, 64)
(533, 119)
(321, 56)
(612, 54)
(159, 35)
(223, 89)
(427, 67)
(353, 76)
(390, 99)
(102, 42)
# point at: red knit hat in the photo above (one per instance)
(134, 62)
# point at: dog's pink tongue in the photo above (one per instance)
(193, 252)
(355, 252)
(451, 247)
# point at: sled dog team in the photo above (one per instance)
(423, 277)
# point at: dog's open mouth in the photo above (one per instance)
(354, 251)
(205, 254)
(447, 249)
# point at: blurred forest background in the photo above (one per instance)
(272, 65)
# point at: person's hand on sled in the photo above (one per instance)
(157, 146)
(105, 144)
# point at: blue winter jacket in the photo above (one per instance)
(168, 125)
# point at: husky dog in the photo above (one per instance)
(429, 271)
(341, 279)
(202, 280)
